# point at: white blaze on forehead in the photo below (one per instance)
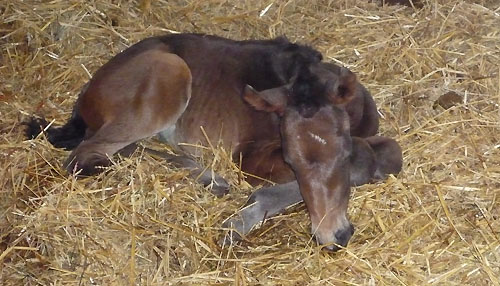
(317, 138)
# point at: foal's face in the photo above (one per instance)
(316, 144)
(318, 149)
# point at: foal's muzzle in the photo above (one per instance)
(342, 237)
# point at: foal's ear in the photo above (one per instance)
(269, 100)
(345, 89)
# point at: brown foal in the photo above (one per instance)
(289, 116)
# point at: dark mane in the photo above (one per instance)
(308, 94)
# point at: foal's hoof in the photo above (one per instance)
(84, 167)
(233, 236)
(35, 126)
(220, 187)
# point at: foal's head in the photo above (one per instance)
(316, 144)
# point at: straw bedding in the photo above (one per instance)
(435, 75)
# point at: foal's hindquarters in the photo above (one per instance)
(128, 100)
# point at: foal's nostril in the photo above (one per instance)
(343, 235)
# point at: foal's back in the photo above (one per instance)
(221, 69)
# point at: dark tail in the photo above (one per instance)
(67, 136)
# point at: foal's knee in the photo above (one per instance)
(363, 162)
(388, 154)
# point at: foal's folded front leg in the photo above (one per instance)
(373, 159)
(263, 203)
(388, 156)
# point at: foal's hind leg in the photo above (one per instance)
(94, 153)
(205, 176)
(129, 100)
